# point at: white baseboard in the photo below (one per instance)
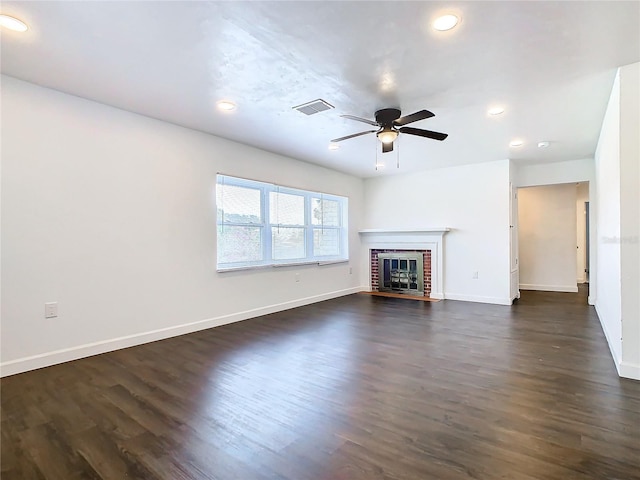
(629, 370)
(478, 299)
(614, 356)
(74, 353)
(549, 288)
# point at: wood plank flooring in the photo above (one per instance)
(360, 387)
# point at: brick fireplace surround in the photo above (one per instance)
(429, 241)
(426, 259)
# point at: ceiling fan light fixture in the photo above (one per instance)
(445, 22)
(387, 135)
(13, 23)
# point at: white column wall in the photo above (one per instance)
(630, 217)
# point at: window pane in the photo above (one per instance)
(286, 209)
(239, 244)
(238, 204)
(325, 242)
(325, 212)
(287, 226)
(288, 243)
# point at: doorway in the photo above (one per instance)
(582, 232)
(553, 237)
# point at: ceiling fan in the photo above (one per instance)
(390, 124)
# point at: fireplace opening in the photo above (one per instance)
(401, 271)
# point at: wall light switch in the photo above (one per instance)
(51, 310)
(297, 277)
(475, 275)
(350, 270)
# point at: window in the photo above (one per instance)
(261, 224)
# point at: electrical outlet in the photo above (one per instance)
(475, 275)
(297, 277)
(51, 310)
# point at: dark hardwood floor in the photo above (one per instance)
(360, 387)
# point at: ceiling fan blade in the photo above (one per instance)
(414, 117)
(359, 119)
(352, 136)
(387, 147)
(424, 133)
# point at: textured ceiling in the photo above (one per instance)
(551, 64)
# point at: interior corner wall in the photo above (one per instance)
(473, 200)
(630, 218)
(607, 208)
(112, 215)
(547, 238)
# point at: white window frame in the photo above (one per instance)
(267, 226)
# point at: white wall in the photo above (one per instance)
(630, 217)
(472, 200)
(582, 170)
(582, 196)
(607, 206)
(547, 238)
(112, 215)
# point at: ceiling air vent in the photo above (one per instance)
(311, 108)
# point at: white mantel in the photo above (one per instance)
(409, 239)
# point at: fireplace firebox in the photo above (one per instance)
(401, 272)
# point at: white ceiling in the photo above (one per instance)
(551, 64)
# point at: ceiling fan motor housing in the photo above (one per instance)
(386, 116)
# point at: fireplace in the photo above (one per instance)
(425, 242)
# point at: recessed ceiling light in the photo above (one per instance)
(516, 143)
(13, 23)
(543, 144)
(445, 22)
(496, 111)
(226, 105)
(334, 146)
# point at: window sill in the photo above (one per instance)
(281, 265)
